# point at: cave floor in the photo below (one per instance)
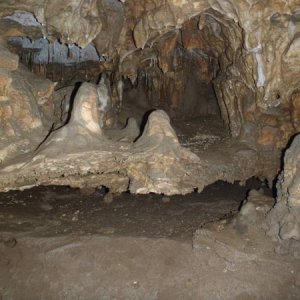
(209, 138)
(201, 133)
(62, 243)
(54, 210)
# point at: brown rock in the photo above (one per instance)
(295, 110)
(165, 199)
(108, 198)
(284, 218)
(8, 60)
(191, 35)
(87, 191)
(268, 136)
(5, 81)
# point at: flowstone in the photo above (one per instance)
(80, 155)
(42, 145)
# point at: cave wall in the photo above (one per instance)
(177, 77)
(255, 45)
(250, 51)
(25, 107)
(283, 221)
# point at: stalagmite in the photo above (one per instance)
(178, 53)
(146, 100)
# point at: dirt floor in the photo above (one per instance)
(52, 211)
(62, 243)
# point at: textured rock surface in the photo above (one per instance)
(8, 60)
(284, 218)
(253, 211)
(155, 163)
(80, 155)
(25, 107)
(250, 51)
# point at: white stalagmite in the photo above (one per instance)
(104, 97)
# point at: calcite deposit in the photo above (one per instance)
(236, 61)
(25, 107)
(284, 219)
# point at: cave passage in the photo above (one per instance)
(185, 91)
(149, 149)
(177, 75)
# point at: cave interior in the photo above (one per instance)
(148, 126)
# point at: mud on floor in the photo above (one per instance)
(53, 210)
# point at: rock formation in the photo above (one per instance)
(284, 218)
(246, 52)
(25, 107)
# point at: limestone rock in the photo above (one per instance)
(167, 172)
(289, 183)
(83, 129)
(284, 218)
(253, 211)
(85, 109)
(8, 60)
(5, 82)
(70, 19)
(112, 25)
(248, 48)
(158, 127)
(10, 28)
(128, 134)
(80, 156)
(25, 107)
(132, 130)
